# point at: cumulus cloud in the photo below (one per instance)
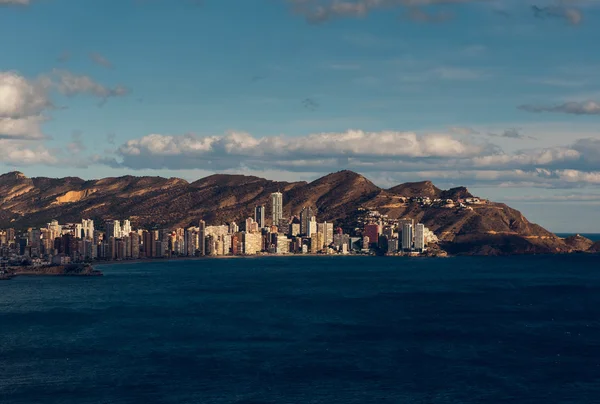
(429, 156)
(25, 104)
(28, 128)
(20, 97)
(574, 107)
(190, 151)
(16, 153)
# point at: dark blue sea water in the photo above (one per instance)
(307, 330)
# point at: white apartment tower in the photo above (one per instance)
(126, 229)
(113, 229)
(88, 229)
(420, 237)
(277, 206)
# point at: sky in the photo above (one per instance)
(501, 96)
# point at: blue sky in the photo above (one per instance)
(494, 95)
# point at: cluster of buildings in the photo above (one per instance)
(262, 234)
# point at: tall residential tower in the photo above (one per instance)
(277, 206)
(259, 216)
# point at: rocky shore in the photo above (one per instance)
(51, 270)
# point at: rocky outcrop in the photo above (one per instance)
(578, 243)
(595, 248)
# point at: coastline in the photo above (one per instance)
(84, 270)
(225, 257)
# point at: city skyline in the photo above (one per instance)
(82, 242)
(460, 93)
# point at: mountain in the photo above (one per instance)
(487, 228)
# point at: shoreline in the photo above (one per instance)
(224, 257)
(78, 270)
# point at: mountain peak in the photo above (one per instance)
(342, 176)
(13, 175)
(414, 189)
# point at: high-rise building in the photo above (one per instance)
(134, 240)
(259, 216)
(282, 245)
(202, 237)
(277, 207)
(34, 237)
(326, 229)
(305, 217)
(88, 228)
(113, 229)
(372, 231)
(126, 228)
(148, 243)
(251, 242)
(78, 230)
(407, 236)
(420, 237)
(233, 227)
(312, 227)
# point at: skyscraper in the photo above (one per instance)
(202, 237)
(126, 229)
(420, 237)
(259, 216)
(88, 228)
(277, 207)
(113, 229)
(407, 236)
(305, 216)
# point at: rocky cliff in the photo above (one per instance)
(488, 228)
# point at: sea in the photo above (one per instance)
(307, 330)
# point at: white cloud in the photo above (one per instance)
(24, 107)
(20, 97)
(349, 144)
(24, 154)
(427, 156)
(22, 128)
